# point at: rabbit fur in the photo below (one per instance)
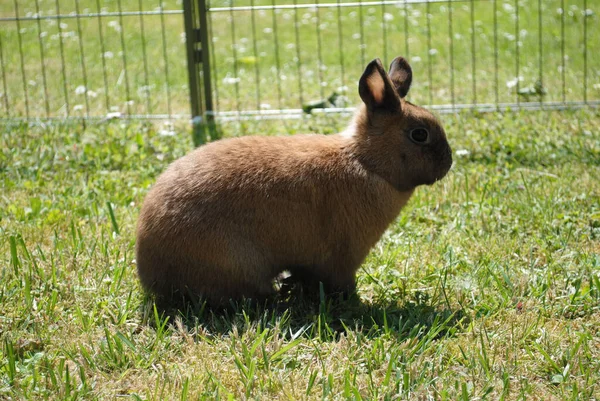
(225, 220)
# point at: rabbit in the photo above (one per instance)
(224, 221)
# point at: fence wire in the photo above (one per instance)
(92, 59)
(283, 59)
(466, 54)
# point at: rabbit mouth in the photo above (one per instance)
(441, 174)
(435, 179)
(446, 165)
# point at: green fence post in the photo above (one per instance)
(199, 77)
(205, 40)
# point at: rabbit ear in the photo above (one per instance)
(401, 75)
(376, 90)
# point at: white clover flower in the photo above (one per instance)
(513, 82)
(230, 80)
(166, 132)
(114, 24)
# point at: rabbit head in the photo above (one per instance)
(403, 143)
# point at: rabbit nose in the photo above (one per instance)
(446, 162)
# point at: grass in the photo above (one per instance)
(486, 287)
(137, 65)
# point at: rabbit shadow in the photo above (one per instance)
(324, 317)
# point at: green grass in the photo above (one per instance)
(258, 66)
(486, 287)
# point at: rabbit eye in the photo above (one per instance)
(419, 135)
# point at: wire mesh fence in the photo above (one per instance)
(276, 57)
(90, 58)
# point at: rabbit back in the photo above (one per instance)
(226, 219)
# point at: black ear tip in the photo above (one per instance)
(375, 63)
(400, 63)
(401, 75)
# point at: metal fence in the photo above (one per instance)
(92, 59)
(273, 59)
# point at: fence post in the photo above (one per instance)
(199, 77)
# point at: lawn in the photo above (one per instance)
(463, 52)
(486, 287)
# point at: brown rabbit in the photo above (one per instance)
(226, 219)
